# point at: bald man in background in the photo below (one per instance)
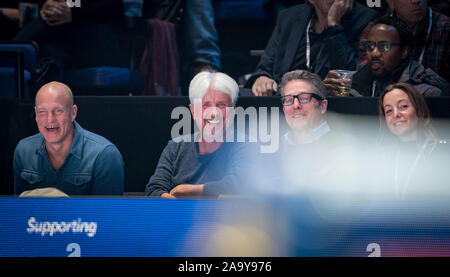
(63, 155)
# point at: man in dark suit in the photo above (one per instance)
(317, 36)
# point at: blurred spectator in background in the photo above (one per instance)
(75, 37)
(279, 4)
(431, 34)
(9, 19)
(441, 6)
(430, 42)
(387, 48)
(189, 46)
(317, 36)
(200, 38)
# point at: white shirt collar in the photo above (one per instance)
(311, 137)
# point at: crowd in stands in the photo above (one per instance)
(317, 36)
(400, 56)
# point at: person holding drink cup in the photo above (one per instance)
(315, 36)
(339, 82)
(387, 48)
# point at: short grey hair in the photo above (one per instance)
(217, 80)
(317, 84)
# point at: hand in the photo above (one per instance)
(48, 10)
(167, 196)
(264, 86)
(62, 15)
(338, 10)
(12, 14)
(332, 82)
(45, 12)
(186, 190)
(56, 12)
(204, 67)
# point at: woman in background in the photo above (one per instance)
(411, 152)
(404, 113)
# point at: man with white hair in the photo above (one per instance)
(204, 163)
(63, 155)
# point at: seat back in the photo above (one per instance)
(30, 52)
(17, 61)
(11, 74)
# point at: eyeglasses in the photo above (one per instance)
(383, 46)
(303, 98)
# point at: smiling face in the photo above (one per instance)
(303, 117)
(213, 118)
(380, 62)
(55, 114)
(400, 114)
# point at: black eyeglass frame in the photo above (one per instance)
(311, 95)
(364, 45)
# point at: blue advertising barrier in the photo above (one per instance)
(146, 227)
(102, 227)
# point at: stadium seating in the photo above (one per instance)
(17, 62)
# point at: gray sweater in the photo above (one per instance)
(221, 172)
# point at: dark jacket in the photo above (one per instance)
(341, 43)
(404, 171)
(428, 82)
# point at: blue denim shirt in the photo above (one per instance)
(93, 166)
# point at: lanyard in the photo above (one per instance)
(403, 188)
(374, 85)
(308, 47)
(430, 21)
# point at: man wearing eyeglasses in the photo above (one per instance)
(303, 97)
(430, 42)
(304, 106)
(313, 155)
(317, 36)
(388, 52)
